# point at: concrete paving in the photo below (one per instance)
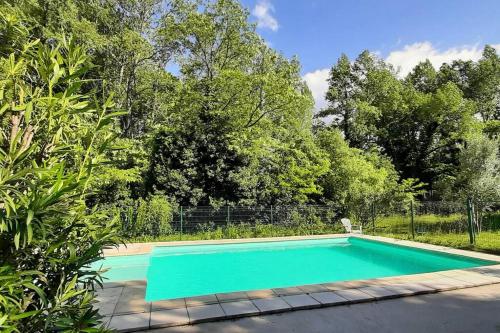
(465, 310)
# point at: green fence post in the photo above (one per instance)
(412, 220)
(469, 221)
(181, 224)
(373, 217)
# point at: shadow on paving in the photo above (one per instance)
(465, 310)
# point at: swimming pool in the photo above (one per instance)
(185, 271)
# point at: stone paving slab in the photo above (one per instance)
(239, 309)
(130, 322)
(354, 295)
(287, 291)
(329, 298)
(201, 300)
(198, 314)
(228, 297)
(313, 288)
(410, 288)
(264, 293)
(380, 292)
(107, 308)
(168, 304)
(304, 301)
(109, 292)
(342, 285)
(132, 305)
(478, 278)
(271, 305)
(447, 283)
(493, 270)
(129, 283)
(168, 318)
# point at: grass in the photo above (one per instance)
(448, 230)
(486, 241)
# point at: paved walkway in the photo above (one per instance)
(464, 310)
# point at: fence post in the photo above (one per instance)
(469, 221)
(412, 220)
(373, 217)
(181, 223)
(271, 214)
(228, 218)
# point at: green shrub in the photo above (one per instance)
(52, 137)
(154, 217)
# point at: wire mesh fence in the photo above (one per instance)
(445, 223)
(294, 219)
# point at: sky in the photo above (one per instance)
(403, 32)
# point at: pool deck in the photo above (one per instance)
(125, 309)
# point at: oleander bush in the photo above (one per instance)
(53, 135)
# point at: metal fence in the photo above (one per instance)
(189, 220)
(464, 225)
(446, 223)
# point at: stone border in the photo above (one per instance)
(430, 247)
(124, 307)
(125, 310)
(145, 248)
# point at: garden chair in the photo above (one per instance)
(351, 229)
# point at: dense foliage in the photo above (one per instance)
(421, 122)
(52, 138)
(203, 112)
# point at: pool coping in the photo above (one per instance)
(123, 306)
(146, 248)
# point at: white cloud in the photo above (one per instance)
(263, 11)
(404, 59)
(317, 82)
(411, 55)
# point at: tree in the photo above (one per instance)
(479, 81)
(356, 179)
(423, 77)
(238, 99)
(341, 92)
(478, 175)
(416, 122)
(485, 84)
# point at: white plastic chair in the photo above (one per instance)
(351, 229)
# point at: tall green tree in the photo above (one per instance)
(478, 175)
(343, 86)
(418, 122)
(423, 77)
(356, 179)
(238, 97)
(485, 85)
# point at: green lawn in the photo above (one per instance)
(448, 230)
(485, 241)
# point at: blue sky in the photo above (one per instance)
(402, 32)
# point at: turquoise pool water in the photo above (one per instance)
(184, 271)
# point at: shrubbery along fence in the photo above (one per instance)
(447, 223)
